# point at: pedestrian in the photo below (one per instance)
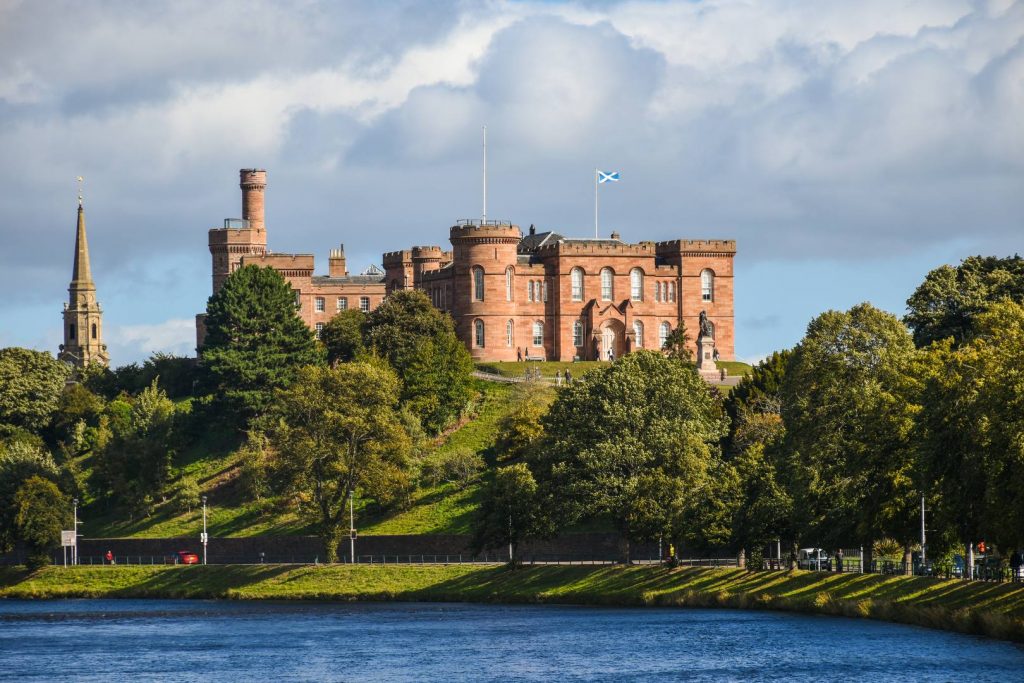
(1016, 560)
(519, 354)
(568, 376)
(558, 377)
(839, 560)
(110, 557)
(611, 356)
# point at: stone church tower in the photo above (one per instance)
(83, 319)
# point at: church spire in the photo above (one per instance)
(83, 333)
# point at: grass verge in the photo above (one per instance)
(994, 610)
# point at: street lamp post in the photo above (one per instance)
(204, 530)
(74, 548)
(351, 526)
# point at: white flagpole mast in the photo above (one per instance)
(595, 203)
(484, 222)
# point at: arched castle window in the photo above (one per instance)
(663, 331)
(607, 284)
(510, 330)
(672, 292)
(478, 283)
(529, 291)
(94, 330)
(478, 333)
(544, 291)
(576, 279)
(638, 332)
(509, 278)
(577, 334)
(538, 333)
(707, 285)
(636, 284)
(657, 291)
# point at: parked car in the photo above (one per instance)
(186, 557)
(814, 559)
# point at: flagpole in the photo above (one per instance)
(484, 222)
(595, 203)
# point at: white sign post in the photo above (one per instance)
(67, 540)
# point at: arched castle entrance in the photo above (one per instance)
(611, 337)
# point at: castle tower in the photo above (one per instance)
(83, 318)
(240, 237)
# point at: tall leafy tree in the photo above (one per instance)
(950, 299)
(42, 511)
(31, 383)
(255, 340)
(19, 462)
(848, 412)
(419, 342)
(338, 430)
(760, 392)
(631, 442)
(342, 336)
(512, 511)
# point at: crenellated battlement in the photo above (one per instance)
(696, 247)
(596, 248)
(473, 230)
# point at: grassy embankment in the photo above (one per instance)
(580, 368)
(212, 462)
(995, 610)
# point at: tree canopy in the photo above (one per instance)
(31, 383)
(342, 336)
(255, 340)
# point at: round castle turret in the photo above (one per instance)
(482, 256)
(253, 182)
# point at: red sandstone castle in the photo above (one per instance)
(538, 296)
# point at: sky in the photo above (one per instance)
(848, 147)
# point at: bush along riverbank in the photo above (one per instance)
(989, 609)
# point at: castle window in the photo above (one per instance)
(538, 333)
(509, 333)
(320, 304)
(672, 292)
(576, 277)
(607, 284)
(364, 304)
(707, 285)
(478, 283)
(298, 300)
(94, 330)
(319, 330)
(663, 332)
(529, 290)
(638, 332)
(577, 334)
(636, 284)
(657, 291)
(509, 278)
(544, 289)
(342, 303)
(71, 332)
(478, 333)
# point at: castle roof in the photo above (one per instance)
(348, 280)
(535, 240)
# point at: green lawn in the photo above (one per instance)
(547, 368)
(735, 368)
(995, 610)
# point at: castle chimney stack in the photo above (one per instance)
(253, 182)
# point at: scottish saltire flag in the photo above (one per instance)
(608, 177)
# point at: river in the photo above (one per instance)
(172, 640)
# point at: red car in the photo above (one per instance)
(186, 557)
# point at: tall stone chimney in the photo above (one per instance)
(336, 263)
(253, 182)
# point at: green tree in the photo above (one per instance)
(758, 393)
(338, 428)
(420, 344)
(512, 512)
(677, 345)
(255, 341)
(951, 298)
(342, 336)
(520, 429)
(630, 441)
(848, 412)
(42, 511)
(135, 464)
(31, 383)
(19, 462)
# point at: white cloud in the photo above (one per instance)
(128, 343)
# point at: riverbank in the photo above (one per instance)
(994, 610)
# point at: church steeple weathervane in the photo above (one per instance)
(83, 318)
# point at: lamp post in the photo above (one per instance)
(74, 548)
(351, 526)
(204, 530)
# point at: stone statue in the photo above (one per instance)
(705, 326)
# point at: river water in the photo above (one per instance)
(138, 640)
